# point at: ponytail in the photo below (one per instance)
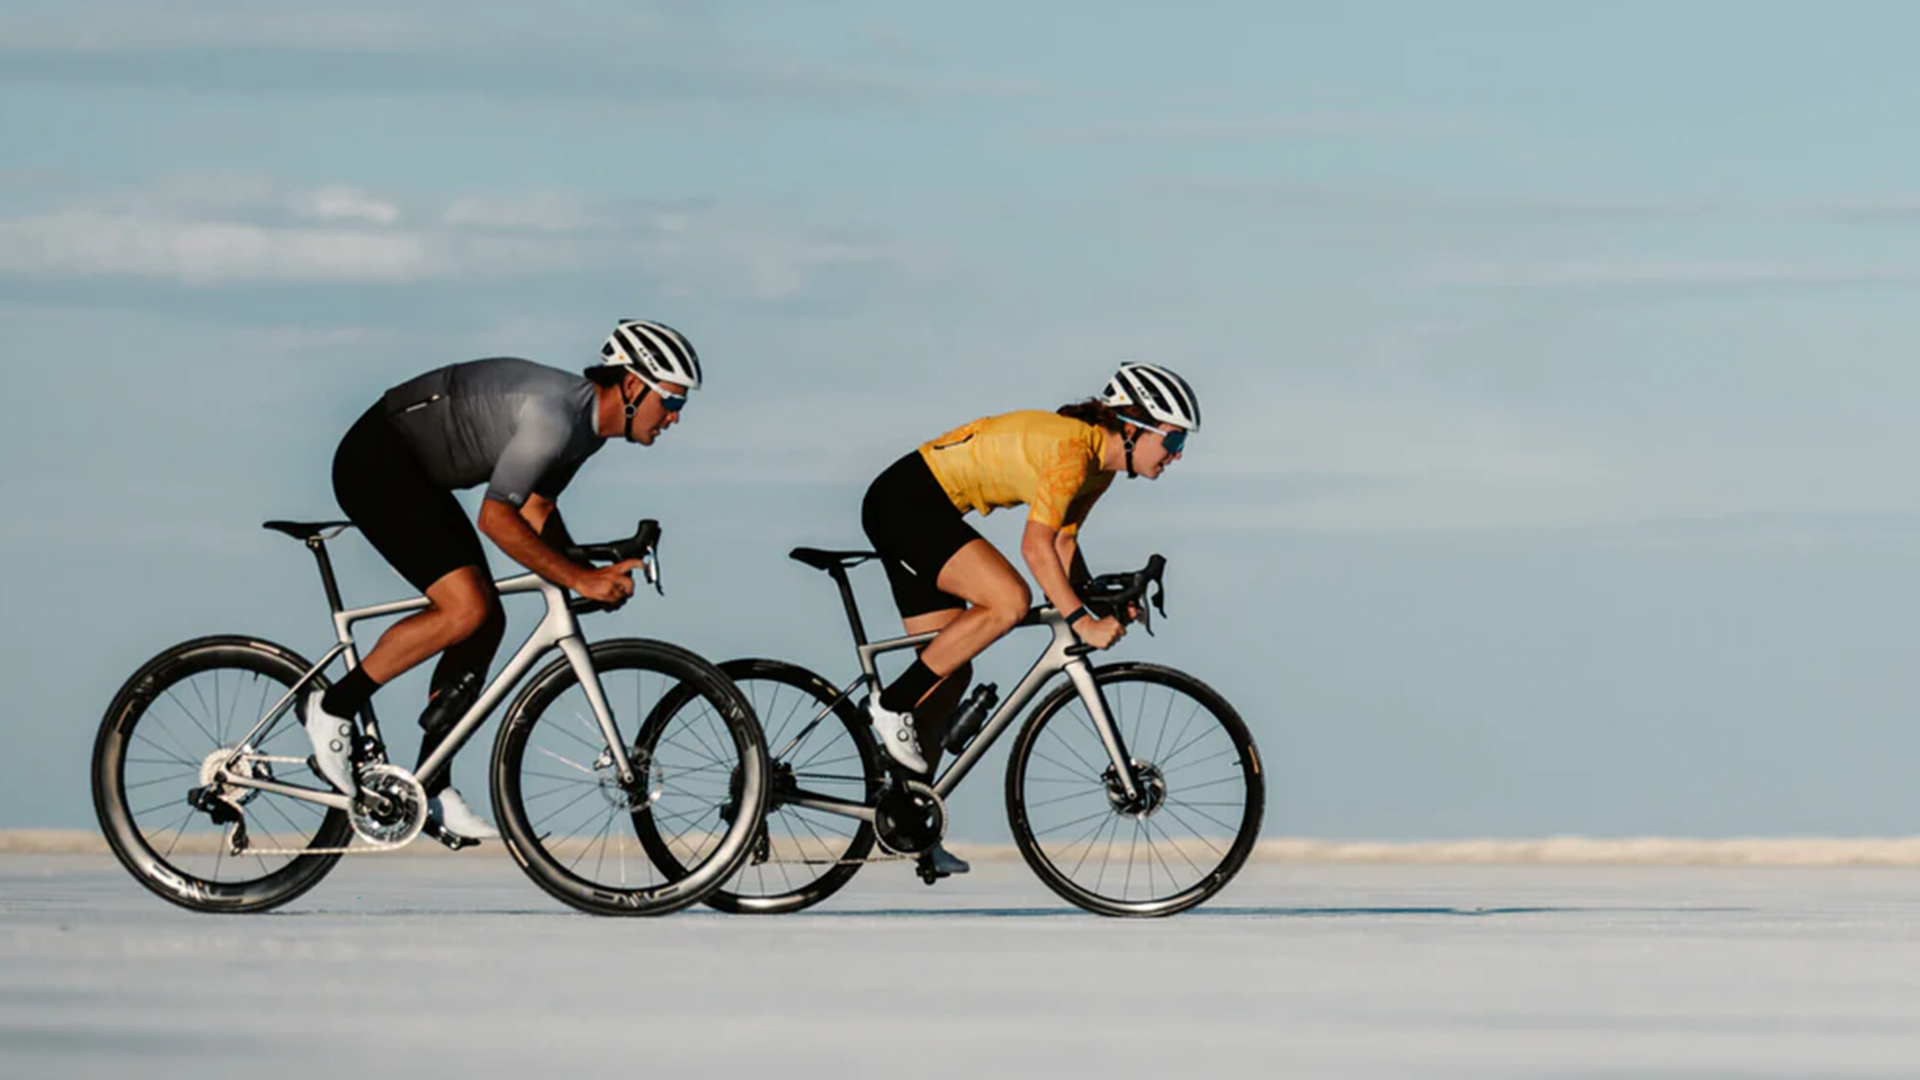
(1099, 414)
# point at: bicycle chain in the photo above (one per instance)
(365, 847)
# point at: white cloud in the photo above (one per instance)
(104, 33)
(1521, 207)
(346, 204)
(215, 229)
(1678, 274)
(537, 213)
(1289, 125)
(79, 244)
(689, 51)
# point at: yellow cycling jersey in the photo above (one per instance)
(1047, 462)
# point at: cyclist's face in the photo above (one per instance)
(652, 419)
(1150, 456)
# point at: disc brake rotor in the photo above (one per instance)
(647, 782)
(1147, 779)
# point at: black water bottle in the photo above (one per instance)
(970, 715)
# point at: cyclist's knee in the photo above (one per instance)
(493, 624)
(1006, 606)
(473, 616)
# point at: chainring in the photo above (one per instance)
(909, 818)
(406, 811)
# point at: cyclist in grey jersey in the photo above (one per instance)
(522, 429)
(511, 424)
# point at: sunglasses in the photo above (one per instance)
(669, 401)
(1174, 439)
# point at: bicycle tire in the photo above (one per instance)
(811, 854)
(183, 873)
(1032, 786)
(552, 712)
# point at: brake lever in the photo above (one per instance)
(651, 562)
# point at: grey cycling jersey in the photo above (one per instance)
(522, 428)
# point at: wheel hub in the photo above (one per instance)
(647, 782)
(248, 767)
(1150, 783)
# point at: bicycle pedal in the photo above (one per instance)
(452, 840)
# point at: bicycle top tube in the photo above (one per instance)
(1108, 594)
(642, 545)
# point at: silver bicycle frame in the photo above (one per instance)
(558, 628)
(1063, 654)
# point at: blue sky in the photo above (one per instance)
(1557, 362)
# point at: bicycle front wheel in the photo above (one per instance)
(168, 732)
(571, 823)
(1189, 829)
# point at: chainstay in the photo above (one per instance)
(888, 857)
(350, 849)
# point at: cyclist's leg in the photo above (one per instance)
(997, 597)
(917, 531)
(932, 711)
(419, 528)
(457, 681)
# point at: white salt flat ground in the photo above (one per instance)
(457, 966)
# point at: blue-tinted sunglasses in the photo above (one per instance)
(1174, 439)
(669, 401)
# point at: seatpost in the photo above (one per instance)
(319, 549)
(846, 597)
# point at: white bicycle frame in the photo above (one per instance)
(1065, 653)
(559, 628)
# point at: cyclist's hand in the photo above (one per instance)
(1102, 633)
(610, 585)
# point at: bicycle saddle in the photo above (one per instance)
(827, 560)
(306, 530)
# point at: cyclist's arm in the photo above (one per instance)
(1039, 546)
(1067, 545)
(514, 534)
(544, 516)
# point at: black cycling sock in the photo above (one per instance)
(909, 688)
(345, 697)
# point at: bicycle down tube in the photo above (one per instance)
(1063, 654)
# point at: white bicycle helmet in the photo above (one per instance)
(1165, 396)
(654, 349)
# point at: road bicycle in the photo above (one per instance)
(204, 788)
(1133, 789)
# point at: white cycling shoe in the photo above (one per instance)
(896, 734)
(456, 817)
(332, 739)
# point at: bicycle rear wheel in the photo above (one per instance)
(170, 727)
(575, 828)
(1201, 794)
(801, 855)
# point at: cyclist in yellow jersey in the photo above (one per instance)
(946, 577)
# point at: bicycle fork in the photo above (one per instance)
(1080, 673)
(577, 656)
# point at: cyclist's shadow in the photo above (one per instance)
(1256, 912)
